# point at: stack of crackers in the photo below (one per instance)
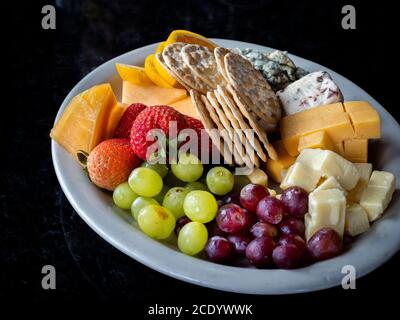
(235, 103)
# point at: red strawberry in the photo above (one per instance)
(110, 163)
(124, 126)
(198, 126)
(156, 117)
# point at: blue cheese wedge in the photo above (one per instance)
(276, 66)
(314, 89)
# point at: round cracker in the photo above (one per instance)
(233, 139)
(161, 61)
(253, 88)
(173, 59)
(210, 126)
(219, 54)
(246, 148)
(223, 95)
(262, 135)
(202, 62)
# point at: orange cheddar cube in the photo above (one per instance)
(275, 167)
(308, 120)
(339, 128)
(354, 106)
(367, 124)
(330, 118)
(356, 150)
(339, 148)
(315, 140)
(365, 119)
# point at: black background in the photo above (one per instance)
(38, 226)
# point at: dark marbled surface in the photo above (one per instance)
(38, 226)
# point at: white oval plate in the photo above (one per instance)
(95, 207)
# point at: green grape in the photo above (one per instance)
(200, 206)
(192, 238)
(160, 168)
(139, 203)
(189, 168)
(145, 182)
(220, 181)
(161, 195)
(123, 196)
(196, 185)
(156, 221)
(173, 201)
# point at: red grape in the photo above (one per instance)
(324, 244)
(295, 200)
(214, 230)
(292, 225)
(240, 242)
(264, 229)
(286, 256)
(219, 249)
(180, 222)
(251, 220)
(270, 209)
(232, 219)
(259, 251)
(251, 194)
(293, 239)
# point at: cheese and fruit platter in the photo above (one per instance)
(231, 165)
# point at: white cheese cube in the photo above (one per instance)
(328, 164)
(382, 179)
(308, 223)
(326, 209)
(312, 90)
(356, 221)
(365, 170)
(330, 183)
(300, 175)
(376, 196)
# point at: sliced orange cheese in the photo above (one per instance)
(356, 150)
(133, 74)
(151, 71)
(84, 122)
(276, 167)
(189, 37)
(315, 140)
(150, 95)
(113, 119)
(185, 106)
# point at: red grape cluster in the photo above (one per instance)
(268, 231)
